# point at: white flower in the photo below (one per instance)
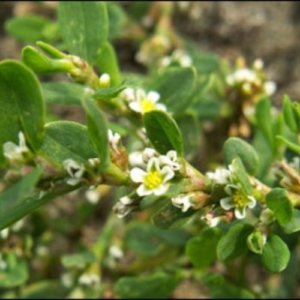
(221, 175)
(89, 279)
(114, 139)
(211, 220)
(154, 181)
(115, 252)
(146, 102)
(258, 64)
(270, 87)
(128, 94)
(170, 159)
(4, 233)
(238, 200)
(148, 153)
(123, 207)
(75, 170)
(93, 195)
(104, 80)
(135, 159)
(182, 201)
(15, 152)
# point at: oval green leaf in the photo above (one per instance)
(236, 147)
(84, 27)
(22, 105)
(276, 254)
(277, 200)
(234, 242)
(163, 132)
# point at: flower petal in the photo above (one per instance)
(252, 202)
(137, 175)
(226, 203)
(167, 173)
(153, 96)
(240, 213)
(160, 190)
(143, 191)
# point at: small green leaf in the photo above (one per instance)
(63, 92)
(108, 93)
(201, 250)
(234, 242)
(64, 140)
(294, 147)
(22, 105)
(236, 147)
(97, 129)
(175, 85)
(171, 217)
(78, 259)
(117, 19)
(276, 254)
(84, 27)
(277, 200)
(155, 286)
(294, 224)
(16, 272)
(290, 117)
(108, 63)
(42, 64)
(27, 28)
(163, 132)
(264, 120)
(242, 176)
(255, 242)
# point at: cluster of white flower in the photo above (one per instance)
(237, 198)
(178, 56)
(75, 170)
(142, 102)
(13, 152)
(249, 79)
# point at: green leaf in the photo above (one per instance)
(22, 105)
(264, 120)
(42, 64)
(234, 242)
(97, 129)
(290, 145)
(117, 19)
(63, 92)
(294, 224)
(171, 217)
(78, 259)
(16, 272)
(242, 176)
(27, 28)
(277, 200)
(108, 93)
(15, 195)
(155, 286)
(107, 62)
(175, 85)
(255, 242)
(163, 132)
(201, 250)
(67, 139)
(84, 27)
(236, 147)
(276, 254)
(289, 114)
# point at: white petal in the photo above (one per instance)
(252, 202)
(143, 191)
(160, 190)
(159, 106)
(148, 153)
(240, 213)
(167, 173)
(134, 105)
(153, 96)
(137, 175)
(227, 203)
(153, 164)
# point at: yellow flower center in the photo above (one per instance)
(238, 200)
(153, 179)
(147, 105)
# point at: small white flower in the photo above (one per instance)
(93, 195)
(128, 94)
(89, 279)
(258, 64)
(238, 200)
(146, 102)
(67, 279)
(4, 233)
(15, 152)
(211, 220)
(115, 252)
(75, 170)
(270, 87)
(114, 139)
(170, 159)
(154, 181)
(182, 201)
(104, 80)
(221, 175)
(148, 153)
(135, 159)
(122, 208)
(17, 225)
(93, 162)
